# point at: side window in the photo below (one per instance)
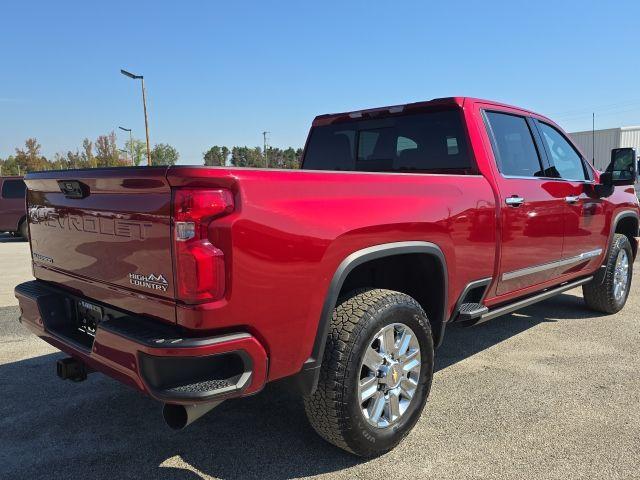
(376, 150)
(565, 159)
(367, 143)
(404, 143)
(332, 148)
(13, 189)
(514, 148)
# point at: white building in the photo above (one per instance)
(605, 140)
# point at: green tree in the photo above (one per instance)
(288, 158)
(216, 156)
(164, 154)
(60, 162)
(88, 159)
(9, 166)
(107, 154)
(247, 157)
(69, 160)
(139, 150)
(30, 159)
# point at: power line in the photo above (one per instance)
(613, 107)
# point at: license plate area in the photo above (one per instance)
(88, 316)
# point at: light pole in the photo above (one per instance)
(266, 158)
(124, 150)
(130, 141)
(144, 104)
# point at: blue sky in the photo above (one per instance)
(222, 72)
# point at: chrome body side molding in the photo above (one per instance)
(555, 264)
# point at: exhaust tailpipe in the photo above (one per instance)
(179, 416)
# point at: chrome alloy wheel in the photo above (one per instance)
(389, 375)
(621, 275)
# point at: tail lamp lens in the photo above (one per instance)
(200, 267)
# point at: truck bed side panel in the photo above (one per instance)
(291, 230)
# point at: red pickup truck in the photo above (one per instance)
(198, 284)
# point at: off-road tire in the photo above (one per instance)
(599, 293)
(23, 230)
(334, 408)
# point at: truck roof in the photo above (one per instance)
(329, 118)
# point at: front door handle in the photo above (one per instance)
(514, 201)
(571, 199)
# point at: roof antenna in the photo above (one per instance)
(593, 138)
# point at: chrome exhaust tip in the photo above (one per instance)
(178, 417)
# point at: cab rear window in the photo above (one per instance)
(432, 142)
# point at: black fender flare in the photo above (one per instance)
(601, 273)
(307, 379)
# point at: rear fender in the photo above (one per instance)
(307, 379)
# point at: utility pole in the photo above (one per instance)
(144, 104)
(266, 157)
(593, 139)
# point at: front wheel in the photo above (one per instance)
(376, 372)
(608, 292)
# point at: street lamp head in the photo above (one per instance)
(131, 75)
(125, 129)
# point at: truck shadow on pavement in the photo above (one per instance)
(8, 238)
(101, 429)
(462, 342)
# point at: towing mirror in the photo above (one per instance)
(623, 169)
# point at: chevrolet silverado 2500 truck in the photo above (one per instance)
(198, 284)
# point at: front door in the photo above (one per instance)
(585, 236)
(531, 213)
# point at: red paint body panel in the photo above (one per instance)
(122, 227)
(290, 230)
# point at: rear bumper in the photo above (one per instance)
(155, 358)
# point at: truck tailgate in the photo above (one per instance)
(109, 226)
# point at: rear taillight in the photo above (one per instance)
(200, 272)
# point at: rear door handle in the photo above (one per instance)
(514, 201)
(571, 199)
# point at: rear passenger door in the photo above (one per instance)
(531, 212)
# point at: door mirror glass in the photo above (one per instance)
(623, 167)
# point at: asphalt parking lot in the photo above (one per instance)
(550, 392)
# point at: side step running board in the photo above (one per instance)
(525, 302)
(471, 311)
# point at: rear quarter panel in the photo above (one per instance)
(291, 230)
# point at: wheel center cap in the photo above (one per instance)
(394, 375)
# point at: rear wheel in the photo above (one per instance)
(376, 372)
(608, 292)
